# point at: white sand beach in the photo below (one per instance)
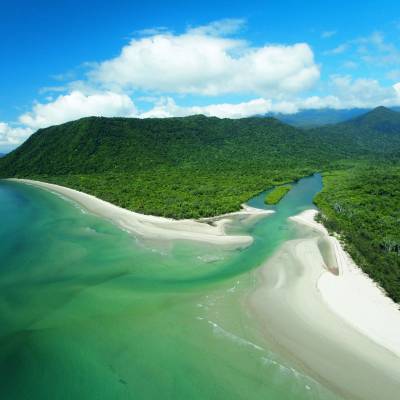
(354, 296)
(339, 328)
(208, 230)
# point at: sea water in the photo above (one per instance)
(88, 311)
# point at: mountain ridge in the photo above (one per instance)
(177, 167)
(120, 159)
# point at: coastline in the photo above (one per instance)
(351, 292)
(207, 230)
(326, 327)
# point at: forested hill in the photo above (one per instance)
(192, 166)
(377, 131)
(381, 119)
(178, 167)
(93, 145)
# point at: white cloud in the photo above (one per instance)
(10, 136)
(166, 107)
(77, 105)
(363, 92)
(346, 93)
(396, 88)
(202, 61)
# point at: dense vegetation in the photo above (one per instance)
(362, 204)
(198, 166)
(377, 132)
(177, 167)
(276, 194)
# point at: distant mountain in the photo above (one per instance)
(318, 117)
(2, 155)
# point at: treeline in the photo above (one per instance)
(176, 193)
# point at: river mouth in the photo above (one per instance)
(109, 315)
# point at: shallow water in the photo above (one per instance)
(88, 311)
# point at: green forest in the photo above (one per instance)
(201, 166)
(178, 167)
(362, 205)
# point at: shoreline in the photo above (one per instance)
(350, 293)
(311, 320)
(207, 230)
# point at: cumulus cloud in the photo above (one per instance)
(10, 136)
(346, 93)
(363, 92)
(166, 107)
(204, 62)
(77, 105)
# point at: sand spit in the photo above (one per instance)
(209, 230)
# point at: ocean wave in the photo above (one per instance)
(219, 331)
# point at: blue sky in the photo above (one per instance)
(62, 60)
